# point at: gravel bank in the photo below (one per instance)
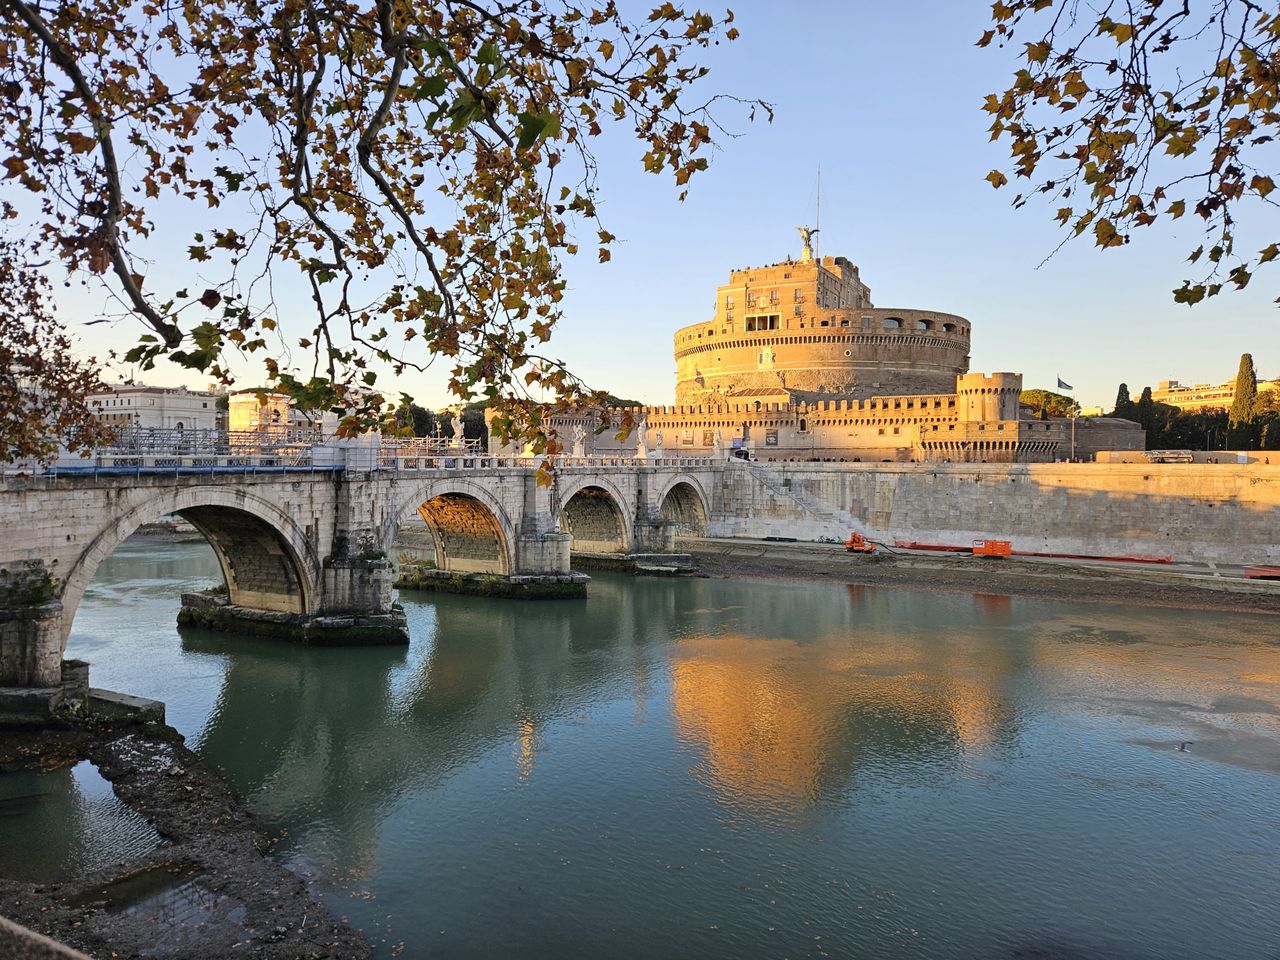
(967, 574)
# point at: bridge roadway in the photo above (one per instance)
(303, 534)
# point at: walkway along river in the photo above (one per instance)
(722, 769)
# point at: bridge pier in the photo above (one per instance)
(36, 684)
(655, 535)
(355, 608)
(543, 574)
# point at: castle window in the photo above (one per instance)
(797, 294)
(799, 310)
(948, 328)
(896, 430)
(881, 431)
(728, 300)
(826, 323)
(892, 323)
(923, 325)
(1000, 426)
(804, 426)
(866, 323)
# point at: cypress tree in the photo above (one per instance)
(1270, 435)
(1146, 411)
(1124, 404)
(1240, 417)
(1246, 392)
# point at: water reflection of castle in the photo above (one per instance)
(778, 724)
(784, 725)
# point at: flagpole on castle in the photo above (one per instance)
(1075, 408)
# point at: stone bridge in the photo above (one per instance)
(304, 542)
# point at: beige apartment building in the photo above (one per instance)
(1203, 396)
(158, 408)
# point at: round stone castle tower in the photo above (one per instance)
(806, 331)
(987, 396)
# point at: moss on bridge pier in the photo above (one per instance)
(213, 612)
(567, 586)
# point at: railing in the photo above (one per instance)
(491, 461)
(177, 452)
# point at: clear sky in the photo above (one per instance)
(886, 97)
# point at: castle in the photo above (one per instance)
(798, 364)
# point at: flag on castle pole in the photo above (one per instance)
(1075, 407)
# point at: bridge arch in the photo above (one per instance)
(685, 502)
(469, 526)
(266, 558)
(593, 512)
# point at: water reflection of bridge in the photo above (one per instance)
(779, 725)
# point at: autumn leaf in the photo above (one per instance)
(402, 171)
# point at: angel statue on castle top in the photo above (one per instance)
(806, 235)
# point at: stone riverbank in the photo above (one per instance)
(968, 574)
(231, 899)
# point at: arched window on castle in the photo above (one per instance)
(893, 323)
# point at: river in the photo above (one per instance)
(723, 769)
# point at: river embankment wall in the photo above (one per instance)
(1222, 513)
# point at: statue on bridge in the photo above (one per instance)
(579, 441)
(658, 440)
(457, 431)
(642, 435)
(719, 444)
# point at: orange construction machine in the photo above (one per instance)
(858, 544)
(992, 548)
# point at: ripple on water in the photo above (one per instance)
(62, 823)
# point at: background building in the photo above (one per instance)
(263, 410)
(167, 408)
(1203, 396)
